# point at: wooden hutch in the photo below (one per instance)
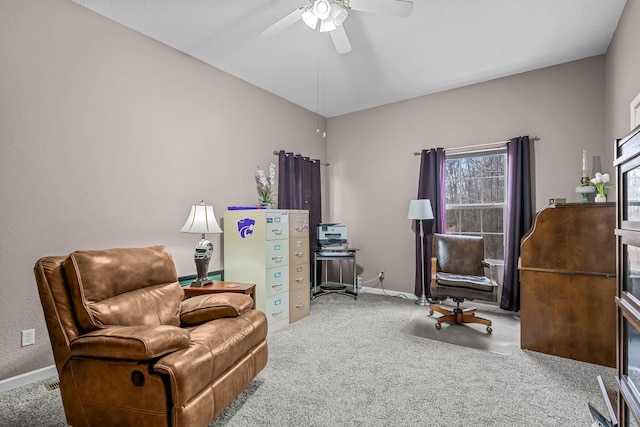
(627, 164)
(568, 283)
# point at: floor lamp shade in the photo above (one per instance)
(420, 209)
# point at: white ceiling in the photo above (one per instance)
(444, 44)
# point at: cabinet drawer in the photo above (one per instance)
(277, 307)
(277, 281)
(277, 225)
(299, 276)
(277, 253)
(299, 300)
(298, 251)
(299, 224)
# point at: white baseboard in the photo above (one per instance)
(28, 378)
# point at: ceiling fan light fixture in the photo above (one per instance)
(336, 18)
(327, 25)
(321, 9)
(310, 19)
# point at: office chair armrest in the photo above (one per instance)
(142, 342)
(204, 308)
(493, 270)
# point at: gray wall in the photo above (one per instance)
(106, 139)
(622, 73)
(582, 105)
(374, 173)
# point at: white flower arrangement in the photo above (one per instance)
(600, 182)
(265, 185)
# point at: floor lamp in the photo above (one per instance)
(421, 210)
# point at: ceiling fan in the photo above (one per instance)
(328, 16)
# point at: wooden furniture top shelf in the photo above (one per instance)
(561, 240)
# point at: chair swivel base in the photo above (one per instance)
(459, 316)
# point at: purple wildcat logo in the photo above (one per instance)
(245, 227)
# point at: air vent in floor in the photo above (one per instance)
(52, 384)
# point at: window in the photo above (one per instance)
(475, 196)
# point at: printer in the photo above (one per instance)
(332, 234)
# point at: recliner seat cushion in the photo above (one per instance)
(215, 347)
(128, 287)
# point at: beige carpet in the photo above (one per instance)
(504, 339)
(348, 365)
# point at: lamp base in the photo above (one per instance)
(198, 283)
(423, 301)
(202, 257)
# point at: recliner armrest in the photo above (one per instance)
(142, 342)
(203, 308)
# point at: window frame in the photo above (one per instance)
(489, 205)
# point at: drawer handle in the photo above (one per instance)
(277, 231)
(299, 279)
(277, 258)
(279, 285)
(276, 314)
(299, 305)
(299, 254)
(301, 229)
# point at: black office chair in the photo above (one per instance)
(457, 272)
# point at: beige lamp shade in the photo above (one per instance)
(420, 209)
(201, 220)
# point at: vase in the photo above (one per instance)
(264, 205)
(600, 199)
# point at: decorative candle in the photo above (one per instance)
(585, 171)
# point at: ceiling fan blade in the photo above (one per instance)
(340, 40)
(399, 8)
(285, 22)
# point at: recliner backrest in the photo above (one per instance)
(57, 307)
(132, 286)
(459, 254)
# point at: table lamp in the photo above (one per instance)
(202, 220)
(584, 188)
(420, 210)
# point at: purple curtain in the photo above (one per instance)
(299, 188)
(519, 217)
(432, 186)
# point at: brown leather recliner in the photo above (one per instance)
(130, 350)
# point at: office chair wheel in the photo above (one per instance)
(438, 326)
(489, 330)
(430, 312)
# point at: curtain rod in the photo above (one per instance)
(488, 145)
(276, 152)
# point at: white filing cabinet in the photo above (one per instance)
(256, 250)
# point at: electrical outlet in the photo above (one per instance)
(28, 337)
(381, 274)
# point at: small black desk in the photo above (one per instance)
(326, 287)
